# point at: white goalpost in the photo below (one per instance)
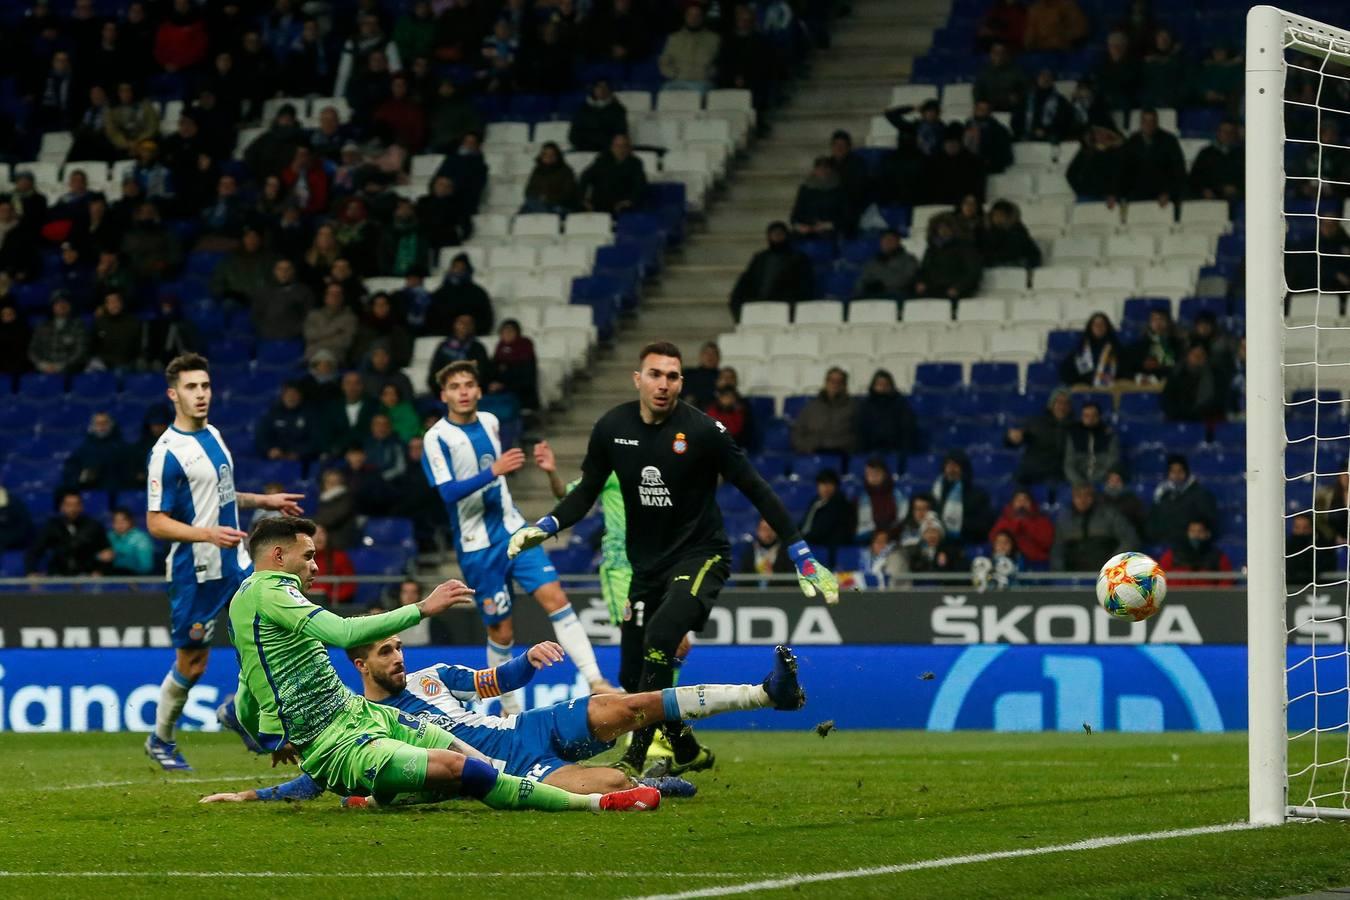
(1298, 371)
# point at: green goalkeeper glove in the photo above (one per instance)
(812, 577)
(531, 536)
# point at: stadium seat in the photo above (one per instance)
(504, 135)
(937, 375)
(1004, 281)
(1034, 154)
(1130, 248)
(545, 226)
(1149, 217)
(1077, 249)
(795, 347)
(40, 387)
(765, 316)
(504, 257)
(552, 131)
(1205, 215)
(873, 312)
(744, 347)
(994, 375)
(914, 94)
(1036, 310)
(636, 102)
(1015, 345)
(1172, 280)
(819, 315)
(387, 533)
(987, 311)
(1094, 218)
(94, 384)
(1058, 279)
(927, 312)
(1122, 279)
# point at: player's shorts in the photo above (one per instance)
(614, 584)
(490, 574)
(348, 756)
(195, 605)
(686, 591)
(551, 737)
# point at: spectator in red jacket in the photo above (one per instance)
(331, 561)
(1031, 529)
(729, 408)
(306, 181)
(180, 42)
(402, 117)
(1196, 554)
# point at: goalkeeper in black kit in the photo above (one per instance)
(668, 456)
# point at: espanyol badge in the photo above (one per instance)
(680, 444)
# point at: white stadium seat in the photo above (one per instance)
(1077, 248)
(536, 225)
(513, 256)
(1033, 154)
(1037, 310)
(873, 312)
(502, 135)
(424, 165)
(1094, 216)
(914, 94)
(1167, 281)
(819, 313)
(962, 345)
(339, 104)
(984, 310)
(552, 131)
(1133, 248)
(686, 103)
(635, 101)
(1015, 345)
(796, 347)
(924, 214)
(743, 346)
(928, 312)
(1113, 278)
(766, 314)
(1211, 215)
(567, 256)
(1147, 214)
(1012, 185)
(1006, 280)
(491, 225)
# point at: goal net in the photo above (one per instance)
(1298, 436)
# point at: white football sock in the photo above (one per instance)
(698, 701)
(575, 643)
(514, 701)
(173, 694)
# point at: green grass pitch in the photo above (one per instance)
(778, 805)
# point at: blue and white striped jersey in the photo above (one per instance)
(486, 517)
(435, 692)
(191, 478)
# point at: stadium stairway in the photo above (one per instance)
(872, 51)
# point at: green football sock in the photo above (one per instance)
(511, 792)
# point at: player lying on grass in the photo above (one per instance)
(291, 699)
(541, 744)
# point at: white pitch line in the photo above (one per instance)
(947, 862)
(552, 873)
(143, 783)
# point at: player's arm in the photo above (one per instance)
(572, 508)
(288, 608)
(165, 481)
(286, 504)
(482, 684)
(441, 475)
(812, 577)
(548, 464)
(295, 790)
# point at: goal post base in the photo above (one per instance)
(1317, 812)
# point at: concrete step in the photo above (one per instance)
(908, 40)
(815, 127)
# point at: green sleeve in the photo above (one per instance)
(246, 707)
(287, 607)
(339, 632)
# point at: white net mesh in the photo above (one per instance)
(1317, 431)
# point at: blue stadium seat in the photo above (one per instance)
(1042, 376)
(585, 531)
(1193, 306)
(143, 384)
(1230, 435)
(1061, 343)
(937, 375)
(1140, 407)
(40, 387)
(23, 474)
(792, 406)
(14, 418)
(94, 384)
(775, 435)
(923, 468)
(12, 564)
(847, 559)
(797, 495)
(858, 250)
(731, 501)
(858, 462)
(994, 375)
(227, 350)
(806, 466)
(388, 532)
(839, 284)
(818, 250)
(572, 560)
(772, 464)
(281, 353)
(96, 504)
(376, 561)
(285, 471)
(620, 257)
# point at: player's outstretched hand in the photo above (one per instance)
(286, 753)
(544, 458)
(544, 654)
(445, 595)
(228, 797)
(531, 536)
(286, 504)
(812, 577)
(510, 461)
(225, 536)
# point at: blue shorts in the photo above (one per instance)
(194, 607)
(551, 737)
(490, 574)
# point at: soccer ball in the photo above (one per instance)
(1131, 586)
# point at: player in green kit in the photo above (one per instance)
(292, 701)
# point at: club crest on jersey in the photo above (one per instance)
(680, 444)
(653, 491)
(430, 686)
(485, 461)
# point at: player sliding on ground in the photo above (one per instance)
(667, 457)
(541, 744)
(463, 460)
(291, 699)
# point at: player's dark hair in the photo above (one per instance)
(457, 367)
(659, 348)
(276, 530)
(186, 362)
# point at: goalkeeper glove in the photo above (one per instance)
(812, 577)
(531, 536)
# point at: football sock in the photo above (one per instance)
(657, 675)
(173, 694)
(575, 643)
(511, 792)
(698, 701)
(497, 654)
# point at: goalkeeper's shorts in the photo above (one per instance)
(371, 749)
